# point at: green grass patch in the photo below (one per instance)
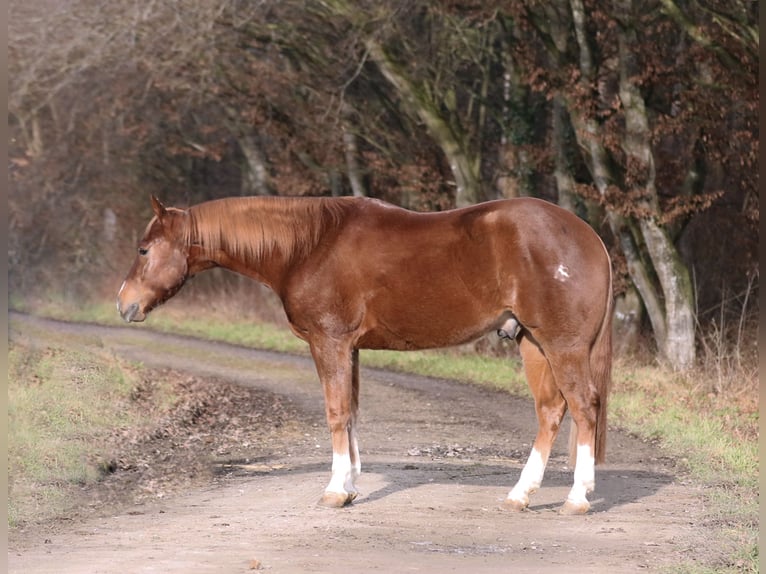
(261, 336)
(61, 403)
(718, 446)
(657, 404)
(502, 374)
(711, 454)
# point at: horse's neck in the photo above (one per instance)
(261, 249)
(267, 269)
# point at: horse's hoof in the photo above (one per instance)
(336, 499)
(514, 505)
(574, 508)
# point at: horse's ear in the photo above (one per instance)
(159, 209)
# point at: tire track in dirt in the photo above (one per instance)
(438, 457)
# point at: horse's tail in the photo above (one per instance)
(601, 373)
(601, 368)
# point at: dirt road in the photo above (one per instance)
(438, 458)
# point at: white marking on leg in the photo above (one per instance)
(530, 478)
(342, 480)
(562, 273)
(584, 475)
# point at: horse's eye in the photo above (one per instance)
(143, 251)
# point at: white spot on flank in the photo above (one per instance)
(562, 273)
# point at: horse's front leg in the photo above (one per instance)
(337, 365)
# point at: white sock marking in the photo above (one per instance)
(584, 475)
(530, 478)
(342, 480)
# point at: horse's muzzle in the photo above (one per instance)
(131, 313)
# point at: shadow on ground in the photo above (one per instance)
(614, 487)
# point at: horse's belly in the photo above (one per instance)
(407, 335)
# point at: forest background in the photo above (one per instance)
(639, 116)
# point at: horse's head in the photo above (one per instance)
(161, 266)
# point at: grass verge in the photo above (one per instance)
(61, 403)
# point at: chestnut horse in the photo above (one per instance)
(357, 273)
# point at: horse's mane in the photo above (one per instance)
(251, 227)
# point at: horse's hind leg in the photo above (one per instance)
(550, 407)
(573, 375)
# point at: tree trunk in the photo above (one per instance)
(516, 168)
(255, 173)
(673, 276)
(35, 142)
(255, 179)
(351, 149)
(671, 314)
(565, 184)
(628, 311)
(461, 164)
